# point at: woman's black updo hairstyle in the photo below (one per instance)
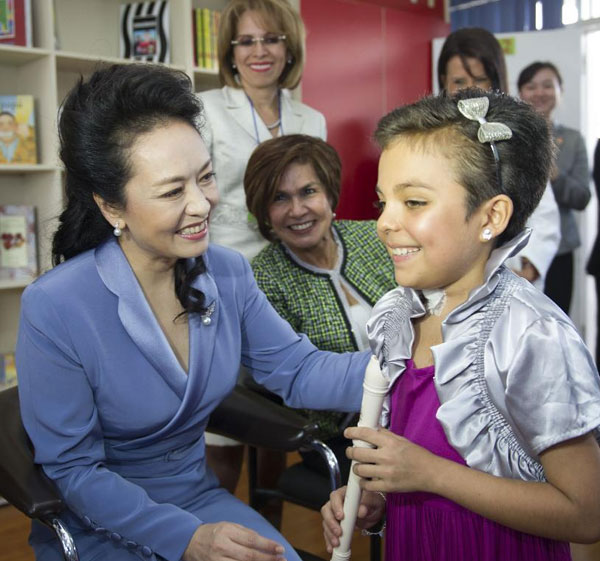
(100, 119)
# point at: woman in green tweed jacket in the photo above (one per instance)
(322, 276)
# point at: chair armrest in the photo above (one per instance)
(22, 482)
(258, 421)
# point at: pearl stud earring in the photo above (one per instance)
(117, 231)
(486, 234)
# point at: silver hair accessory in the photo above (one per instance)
(475, 109)
(435, 300)
(117, 231)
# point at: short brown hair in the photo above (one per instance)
(279, 17)
(525, 159)
(271, 159)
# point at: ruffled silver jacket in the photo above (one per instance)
(512, 374)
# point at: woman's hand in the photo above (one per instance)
(225, 540)
(394, 465)
(370, 511)
(528, 270)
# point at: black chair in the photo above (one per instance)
(300, 483)
(244, 415)
(23, 483)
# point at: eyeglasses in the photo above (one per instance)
(248, 41)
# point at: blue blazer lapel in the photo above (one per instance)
(137, 316)
(203, 332)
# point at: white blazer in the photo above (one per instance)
(545, 238)
(231, 136)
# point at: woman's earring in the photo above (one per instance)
(289, 60)
(333, 215)
(486, 235)
(117, 231)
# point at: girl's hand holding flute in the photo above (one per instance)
(370, 512)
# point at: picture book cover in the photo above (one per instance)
(145, 31)
(18, 247)
(8, 370)
(17, 130)
(15, 22)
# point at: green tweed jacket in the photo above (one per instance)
(309, 300)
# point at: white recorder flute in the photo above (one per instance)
(375, 388)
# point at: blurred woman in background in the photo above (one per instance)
(540, 84)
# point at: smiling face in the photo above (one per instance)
(301, 213)
(168, 197)
(424, 224)
(542, 91)
(458, 77)
(260, 65)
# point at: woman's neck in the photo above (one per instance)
(264, 99)
(322, 256)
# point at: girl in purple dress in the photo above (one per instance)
(491, 450)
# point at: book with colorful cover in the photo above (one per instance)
(216, 15)
(8, 371)
(206, 38)
(17, 130)
(145, 31)
(18, 243)
(15, 22)
(199, 43)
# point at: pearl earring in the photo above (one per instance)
(333, 215)
(117, 231)
(486, 234)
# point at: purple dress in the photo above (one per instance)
(428, 527)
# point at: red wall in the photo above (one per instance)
(362, 61)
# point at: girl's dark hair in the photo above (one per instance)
(531, 70)
(436, 123)
(272, 158)
(100, 119)
(479, 43)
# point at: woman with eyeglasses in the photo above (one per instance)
(261, 57)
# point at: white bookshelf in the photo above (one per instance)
(87, 32)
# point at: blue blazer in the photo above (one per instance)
(115, 420)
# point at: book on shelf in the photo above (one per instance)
(205, 26)
(17, 130)
(145, 31)
(8, 371)
(8, 378)
(18, 247)
(15, 22)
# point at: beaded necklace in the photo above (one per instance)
(270, 127)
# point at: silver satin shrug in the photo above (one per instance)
(513, 375)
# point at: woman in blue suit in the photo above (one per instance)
(137, 334)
